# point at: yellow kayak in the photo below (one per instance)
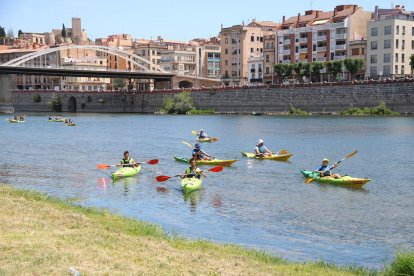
(279, 157)
(214, 162)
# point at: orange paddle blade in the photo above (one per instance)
(283, 152)
(216, 169)
(215, 139)
(309, 180)
(162, 178)
(153, 162)
(352, 154)
(103, 166)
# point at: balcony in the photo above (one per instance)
(303, 50)
(303, 39)
(321, 38)
(285, 52)
(341, 36)
(286, 62)
(321, 49)
(286, 41)
(321, 59)
(340, 47)
(340, 57)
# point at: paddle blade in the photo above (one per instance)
(216, 169)
(194, 132)
(102, 166)
(352, 154)
(283, 152)
(153, 162)
(309, 180)
(187, 144)
(215, 139)
(162, 178)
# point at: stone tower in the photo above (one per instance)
(76, 30)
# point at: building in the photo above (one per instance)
(238, 44)
(321, 36)
(269, 55)
(121, 41)
(358, 50)
(208, 58)
(390, 43)
(75, 35)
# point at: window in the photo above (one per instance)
(386, 70)
(402, 58)
(412, 31)
(251, 50)
(267, 58)
(396, 69)
(226, 62)
(267, 70)
(362, 51)
(355, 52)
(403, 30)
(374, 31)
(258, 39)
(387, 30)
(387, 58)
(396, 57)
(398, 30)
(374, 45)
(252, 38)
(226, 40)
(387, 44)
(373, 70)
(412, 44)
(403, 44)
(397, 44)
(402, 70)
(374, 59)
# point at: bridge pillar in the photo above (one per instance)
(5, 95)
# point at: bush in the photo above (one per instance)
(181, 103)
(37, 98)
(297, 111)
(381, 109)
(56, 104)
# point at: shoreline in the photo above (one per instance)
(46, 235)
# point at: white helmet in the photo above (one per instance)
(260, 141)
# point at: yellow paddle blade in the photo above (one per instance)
(188, 144)
(194, 132)
(309, 180)
(352, 154)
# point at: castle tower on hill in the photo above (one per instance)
(76, 30)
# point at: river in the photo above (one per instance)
(254, 203)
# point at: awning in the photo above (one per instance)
(303, 56)
(320, 54)
(320, 22)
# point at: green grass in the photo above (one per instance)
(381, 109)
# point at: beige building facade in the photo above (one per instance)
(390, 43)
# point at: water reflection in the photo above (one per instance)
(193, 199)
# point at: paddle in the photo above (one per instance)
(105, 166)
(192, 147)
(309, 180)
(163, 178)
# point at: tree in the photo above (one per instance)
(10, 33)
(19, 33)
(181, 103)
(353, 66)
(334, 68)
(2, 32)
(283, 71)
(118, 83)
(63, 31)
(298, 68)
(316, 70)
(412, 64)
(307, 69)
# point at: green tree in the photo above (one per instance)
(19, 33)
(181, 103)
(56, 104)
(307, 70)
(298, 69)
(334, 68)
(316, 70)
(118, 83)
(353, 66)
(412, 64)
(63, 31)
(283, 71)
(2, 32)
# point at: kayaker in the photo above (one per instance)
(202, 134)
(127, 161)
(193, 171)
(199, 154)
(326, 171)
(261, 150)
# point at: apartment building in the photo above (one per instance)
(390, 43)
(238, 44)
(269, 58)
(321, 36)
(207, 57)
(120, 41)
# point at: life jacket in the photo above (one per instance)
(127, 163)
(191, 174)
(261, 149)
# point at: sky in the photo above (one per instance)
(170, 19)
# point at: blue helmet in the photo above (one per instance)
(197, 146)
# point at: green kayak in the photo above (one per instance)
(279, 157)
(16, 121)
(71, 124)
(126, 172)
(344, 180)
(189, 185)
(214, 162)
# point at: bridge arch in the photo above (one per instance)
(185, 84)
(72, 104)
(114, 51)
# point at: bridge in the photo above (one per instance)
(160, 78)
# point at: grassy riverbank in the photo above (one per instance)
(41, 235)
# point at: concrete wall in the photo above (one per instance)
(5, 95)
(315, 98)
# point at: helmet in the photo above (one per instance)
(260, 141)
(325, 160)
(201, 130)
(197, 146)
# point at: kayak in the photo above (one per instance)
(125, 172)
(56, 121)
(214, 162)
(72, 124)
(16, 121)
(344, 180)
(191, 184)
(279, 157)
(207, 140)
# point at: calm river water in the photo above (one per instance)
(260, 204)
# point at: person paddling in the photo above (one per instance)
(326, 171)
(261, 150)
(127, 161)
(199, 154)
(193, 171)
(202, 134)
